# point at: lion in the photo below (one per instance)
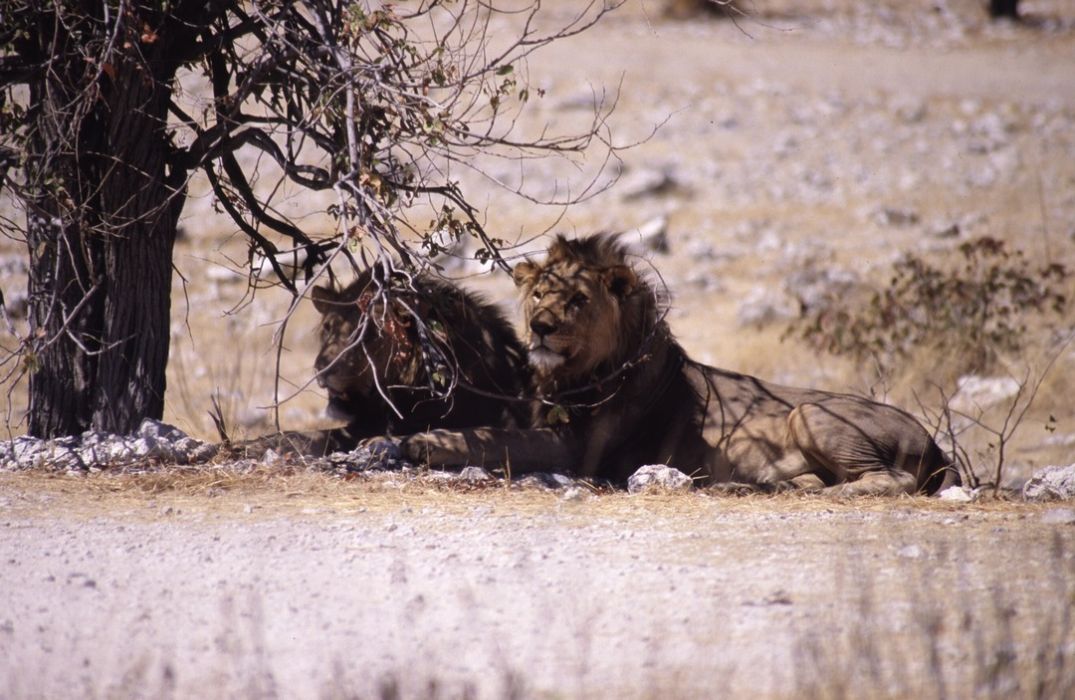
(413, 354)
(617, 391)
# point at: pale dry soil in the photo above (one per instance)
(309, 586)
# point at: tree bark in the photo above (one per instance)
(101, 235)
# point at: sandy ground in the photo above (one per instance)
(310, 587)
(786, 137)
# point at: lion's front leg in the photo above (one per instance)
(437, 448)
(301, 443)
(521, 451)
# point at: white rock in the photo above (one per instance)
(290, 263)
(911, 551)
(575, 493)
(958, 494)
(225, 274)
(975, 392)
(658, 477)
(648, 183)
(649, 236)
(1053, 483)
(157, 429)
(475, 475)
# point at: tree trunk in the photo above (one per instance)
(1004, 8)
(101, 235)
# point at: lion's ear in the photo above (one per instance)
(620, 280)
(524, 273)
(325, 299)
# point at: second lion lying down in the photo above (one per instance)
(617, 391)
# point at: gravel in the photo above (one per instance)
(506, 594)
(154, 442)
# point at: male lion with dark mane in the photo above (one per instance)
(617, 391)
(416, 353)
(409, 354)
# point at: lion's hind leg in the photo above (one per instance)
(842, 440)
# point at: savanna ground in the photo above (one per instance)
(824, 137)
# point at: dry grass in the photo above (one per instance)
(289, 492)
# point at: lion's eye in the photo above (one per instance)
(579, 300)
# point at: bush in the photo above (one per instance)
(974, 309)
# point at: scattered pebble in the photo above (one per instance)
(575, 493)
(155, 441)
(651, 236)
(896, 217)
(544, 481)
(475, 475)
(911, 551)
(1052, 483)
(958, 494)
(658, 477)
(649, 183)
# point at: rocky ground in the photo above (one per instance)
(301, 587)
(800, 152)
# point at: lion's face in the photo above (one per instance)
(363, 342)
(573, 308)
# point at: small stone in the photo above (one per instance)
(895, 217)
(156, 429)
(943, 231)
(17, 304)
(220, 273)
(291, 263)
(1053, 483)
(651, 236)
(957, 494)
(544, 481)
(648, 183)
(909, 109)
(202, 453)
(574, 493)
(658, 477)
(911, 551)
(475, 475)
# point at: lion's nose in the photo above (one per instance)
(541, 327)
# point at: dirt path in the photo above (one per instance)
(313, 588)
